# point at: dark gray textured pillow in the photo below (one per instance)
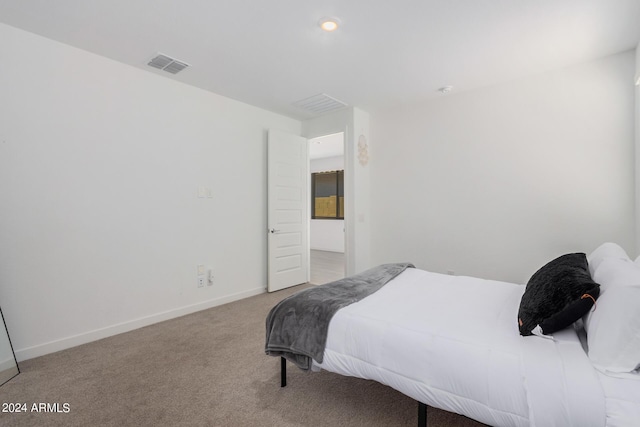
(557, 295)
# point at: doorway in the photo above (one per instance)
(327, 225)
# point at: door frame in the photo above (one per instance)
(346, 172)
(327, 125)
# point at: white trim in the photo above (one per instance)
(97, 334)
(9, 363)
(323, 249)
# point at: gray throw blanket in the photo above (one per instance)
(297, 326)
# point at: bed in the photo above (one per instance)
(456, 343)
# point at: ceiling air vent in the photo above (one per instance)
(320, 104)
(168, 64)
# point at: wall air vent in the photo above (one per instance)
(168, 64)
(320, 104)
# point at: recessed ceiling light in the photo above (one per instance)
(329, 23)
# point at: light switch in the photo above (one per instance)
(202, 191)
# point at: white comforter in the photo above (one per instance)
(452, 342)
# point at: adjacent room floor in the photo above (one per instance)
(326, 266)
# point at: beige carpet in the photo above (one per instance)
(204, 369)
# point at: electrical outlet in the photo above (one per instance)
(200, 282)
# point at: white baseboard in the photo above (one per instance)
(340, 251)
(97, 334)
(7, 364)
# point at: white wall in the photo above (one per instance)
(324, 164)
(327, 234)
(498, 181)
(360, 202)
(101, 226)
(636, 79)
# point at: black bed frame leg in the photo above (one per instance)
(422, 415)
(283, 372)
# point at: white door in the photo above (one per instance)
(288, 204)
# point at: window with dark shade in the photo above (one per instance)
(327, 195)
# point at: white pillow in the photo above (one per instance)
(605, 250)
(616, 272)
(613, 326)
(612, 272)
(614, 333)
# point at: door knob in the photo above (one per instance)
(273, 230)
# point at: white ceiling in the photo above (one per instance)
(271, 53)
(326, 146)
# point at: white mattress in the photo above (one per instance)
(452, 342)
